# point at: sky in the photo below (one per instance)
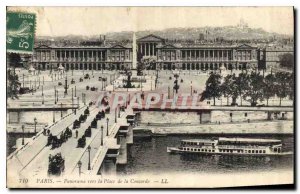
(88, 21)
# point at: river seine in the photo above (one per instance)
(149, 155)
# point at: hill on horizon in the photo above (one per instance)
(210, 33)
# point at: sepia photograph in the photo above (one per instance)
(150, 97)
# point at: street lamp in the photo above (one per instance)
(35, 122)
(191, 87)
(53, 116)
(23, 128)
(74, 110)
(56, 96)
(107, 120)
(89, 150)
(79, 166)
(66, 86)
(102, 135)
(116, 114)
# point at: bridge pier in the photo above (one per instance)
(108, 167)
(14, 117)
(204, 116)
(116, 145)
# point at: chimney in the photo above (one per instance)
(100, 38)
(104, 37)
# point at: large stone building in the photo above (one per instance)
(165, 55)
(197, 56)
(82, 57)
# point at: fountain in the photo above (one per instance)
(131, 81)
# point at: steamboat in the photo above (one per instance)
(231, 146)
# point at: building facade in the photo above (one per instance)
(196, 56)
(165, 55)
(82, 57)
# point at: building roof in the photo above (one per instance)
(198, 45)
(249, 140)
(198, 140)
(150, 38)
(107, 46)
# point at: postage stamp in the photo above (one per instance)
(20, 31)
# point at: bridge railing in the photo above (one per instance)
(36, 136)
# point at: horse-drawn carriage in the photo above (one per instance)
(54, 141)
(87, 111)
(99, 116)
(81, 142)
(94, 123)
(68, 133)
(82, 118)
(88, 132)
(76, 124)
(56, 164)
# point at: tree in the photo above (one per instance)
(240, 85)
(282, 85)
(14, 60)
(148, 61)
(13, 84)
(226, 87)
(291, 86)
(286, 60)
(233, 89)
(254, 89)
(213, 87)
(269, 89)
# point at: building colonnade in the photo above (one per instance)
(147, 49)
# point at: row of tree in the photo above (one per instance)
(286, 60)
(250, 87)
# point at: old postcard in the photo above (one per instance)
(150, 97)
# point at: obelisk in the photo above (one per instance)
(134, 54)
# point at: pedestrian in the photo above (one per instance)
(76, 133)
(48, 132)
(44, 131)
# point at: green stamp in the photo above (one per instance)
(20, 30)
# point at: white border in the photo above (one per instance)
(5, 3)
